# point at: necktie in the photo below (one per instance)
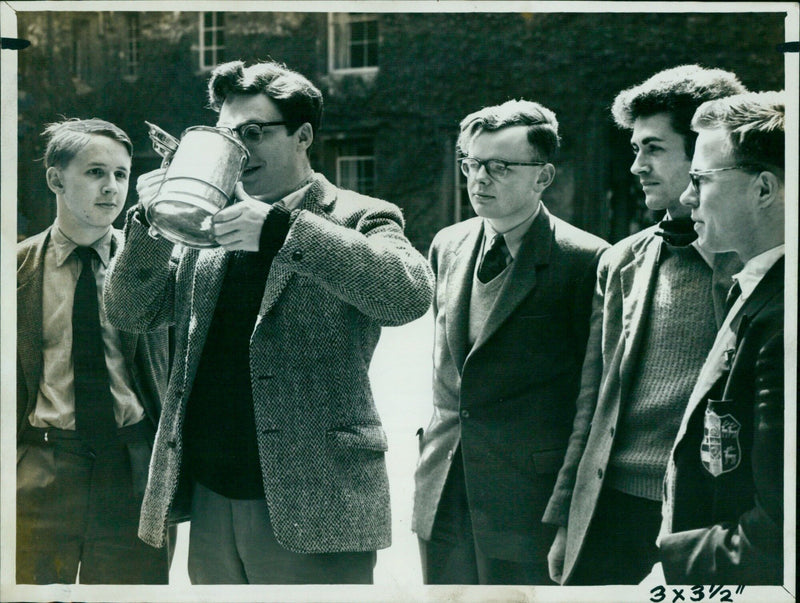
(733, 294)
(94, 410)
(494, 260)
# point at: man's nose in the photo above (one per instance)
(638, 166)
(689, 197)
(482, 174)
(108, 185)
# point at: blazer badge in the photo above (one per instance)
(720, 451)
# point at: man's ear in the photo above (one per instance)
(53, 177)
(768, 189)
(305, 136)
(546, 177)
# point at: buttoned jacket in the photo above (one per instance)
(344, 270)
(723, 518)
(509, 399)
(626, 280)
(146, 356)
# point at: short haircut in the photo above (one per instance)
(678, 92)
(541, 121)
(755, 126)
(66, 138)
(298, 100)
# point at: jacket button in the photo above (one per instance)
(599, 474)
(297, 255)
(465, 414)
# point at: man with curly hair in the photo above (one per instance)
(659, 301)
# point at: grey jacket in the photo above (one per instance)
(623, 297)
(344, 270)
(508, 400)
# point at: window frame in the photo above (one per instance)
(132, 38)
(343, 157)
(335, 22)
(215, 47)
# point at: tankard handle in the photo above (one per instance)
(164, 143)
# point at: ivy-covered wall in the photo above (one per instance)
(433, 70)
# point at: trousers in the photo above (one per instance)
(452, 556)
(232, 542)
(78, 510)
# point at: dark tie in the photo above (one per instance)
(733, 294)
(494, 260)
(94, 410)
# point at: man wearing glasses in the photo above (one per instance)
(512, 306)
(723, 506)
(269, 416)
(659, 301)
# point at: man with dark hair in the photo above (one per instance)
(512, 305)
(269, 415)
(659, 300)
(88, 395)
(723, 503)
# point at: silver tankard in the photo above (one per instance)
(202, 169)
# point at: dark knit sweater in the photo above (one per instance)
(219, 433)
(680, 331)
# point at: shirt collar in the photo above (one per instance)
(755, 269)
(512, 236)
(64, 246)
(293, 200)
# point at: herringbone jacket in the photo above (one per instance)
(345, 270)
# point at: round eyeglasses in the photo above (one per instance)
(496, 168)
(694, 175)
(252, 132)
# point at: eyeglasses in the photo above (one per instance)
(253, 132)
(496, 168)
(694, 175)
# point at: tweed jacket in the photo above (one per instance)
(344, 270)
(723, 515)
(509, 400)
(626, 279)
(146, 356)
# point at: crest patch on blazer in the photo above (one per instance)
(720, 450)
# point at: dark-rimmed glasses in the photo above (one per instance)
(496, 168)
(694, 175)
(253, 132)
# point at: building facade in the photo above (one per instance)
(396, 86)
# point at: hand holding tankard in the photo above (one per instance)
(239, 225)
(201, 172)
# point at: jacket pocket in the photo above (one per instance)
(548, 461)
(367, 437)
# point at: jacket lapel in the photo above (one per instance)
(637, 281)
(459, 291)
(721, 356)
(521, 280)
(209, 274)
(770, 285)
(319, 199)
(29, 329)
